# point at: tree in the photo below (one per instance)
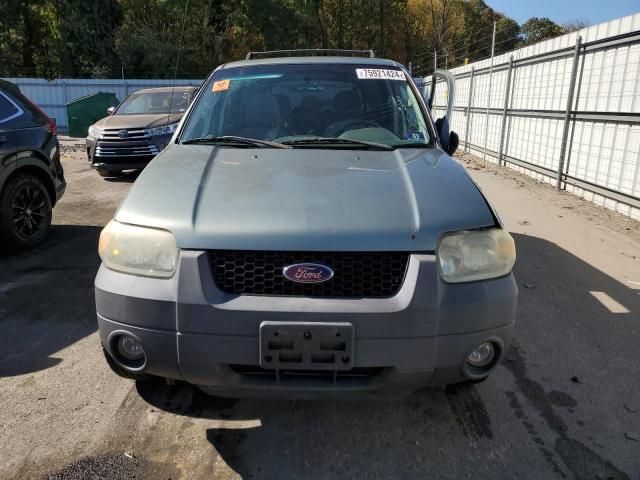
(575, 25)
(86, 37)
(537, 29)
(27, 38)
(146, 38)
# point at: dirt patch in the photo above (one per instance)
(122, 466)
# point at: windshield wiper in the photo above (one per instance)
(338, 141)
(412, 145)
(232, 140)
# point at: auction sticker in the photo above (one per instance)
(220, 86)
(379, 74)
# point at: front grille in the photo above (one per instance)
(359, 373)
(113, 134)
(128, 150)
(356, 274)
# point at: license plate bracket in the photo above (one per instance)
(306, 345)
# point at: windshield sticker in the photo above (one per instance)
(379, 74)
(414, 136)
(220, 86)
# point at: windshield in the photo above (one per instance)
(157, 102)
(299, 104)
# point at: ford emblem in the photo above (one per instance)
(307, 273)
(123, 133)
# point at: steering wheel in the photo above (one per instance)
(338, 128)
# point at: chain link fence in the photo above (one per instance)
(566, 111)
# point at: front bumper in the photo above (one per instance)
(124, 154)
(192, 331)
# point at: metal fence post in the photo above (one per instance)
(486, 123)
(468, 126)
(567, 113)
(64, 91)
(504, 112)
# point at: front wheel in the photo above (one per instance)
(25, 211)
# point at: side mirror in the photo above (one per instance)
(454, 141)
(110, 110)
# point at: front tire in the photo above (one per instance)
(25, 211)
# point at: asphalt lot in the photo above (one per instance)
(564, 404)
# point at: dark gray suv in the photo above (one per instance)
(306, 233)
(31, 175)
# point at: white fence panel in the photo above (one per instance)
(601, 160)
(53, 95)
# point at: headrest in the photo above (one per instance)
(347, 100)
(262, 109)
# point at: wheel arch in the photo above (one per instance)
(33, 163)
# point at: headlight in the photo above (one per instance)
(94, 131)
(476, 255)
(164, 130)
(138, 250)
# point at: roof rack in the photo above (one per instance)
(321, 52)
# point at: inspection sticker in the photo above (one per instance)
(379, 74)
(220, 86)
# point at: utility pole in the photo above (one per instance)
(486, 123)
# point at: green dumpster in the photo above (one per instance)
(85, 111)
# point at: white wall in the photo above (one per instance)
(53, 95)
(608, 80)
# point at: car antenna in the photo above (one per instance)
(175, 72)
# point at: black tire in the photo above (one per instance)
(109, 173)
(462, 386)
(121, 372)
(25, 211)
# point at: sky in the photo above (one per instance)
(561, 11)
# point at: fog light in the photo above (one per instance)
(482, 355)
(129, 348)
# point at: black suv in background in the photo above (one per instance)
(31, 175)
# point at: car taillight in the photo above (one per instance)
(52, 128)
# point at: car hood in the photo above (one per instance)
(139, 121)
(305, 199)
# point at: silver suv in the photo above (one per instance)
(306, 233)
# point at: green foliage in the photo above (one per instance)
(537, 29)
(150, 38)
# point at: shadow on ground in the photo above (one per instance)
(558, 396)
(46, 298)
(125, 177)
(553, 397)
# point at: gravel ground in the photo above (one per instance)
(565, 402)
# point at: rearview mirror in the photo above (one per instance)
(110, 110)
(454, 140)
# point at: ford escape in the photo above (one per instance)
(306, 233)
